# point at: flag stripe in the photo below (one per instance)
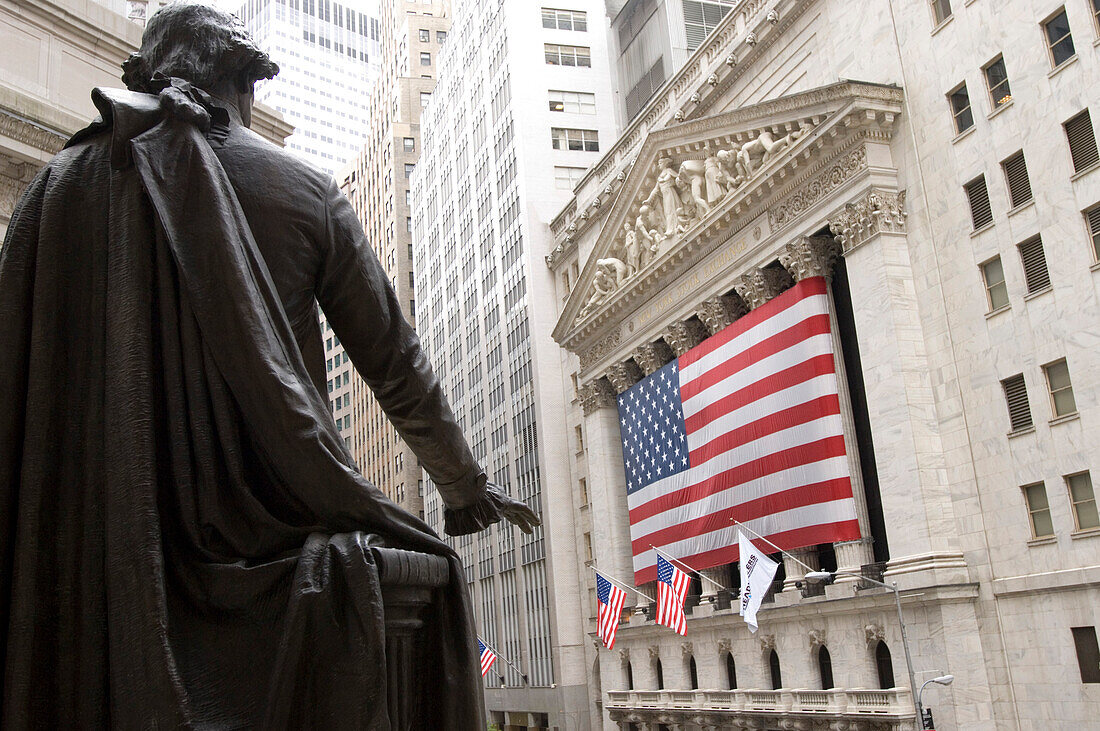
(778, 421)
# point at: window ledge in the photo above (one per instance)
(999, 310)
(983, 229)
(943, 24)
(965, 133)
(1067, 417)
(1038, 293)
(1021, 207)
(1043, 541)
(1082, 173)
(1095, 267)
(1087, 533)
(1068, 62)
(999, 109)
(1022, 432)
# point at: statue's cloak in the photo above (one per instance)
(184, 539)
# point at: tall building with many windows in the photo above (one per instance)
(521, 109)
(328, 54)
(932, 168)
(378, 183)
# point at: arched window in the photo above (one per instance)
(731, 672)
(885, 666)
(773, 665)
(693, 673)
(660, 676)
(825, 667)
(629, 677)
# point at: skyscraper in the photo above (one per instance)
(522, 105)
(328, 53)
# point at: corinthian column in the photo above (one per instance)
(684, 335)
(719, 312)
(761, 284)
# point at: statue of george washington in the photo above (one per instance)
(185, 541)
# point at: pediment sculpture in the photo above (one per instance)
(684, 192)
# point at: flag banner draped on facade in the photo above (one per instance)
(488, 657)
(610, 599)
(745, 425)
(757, 572)
(672, 588)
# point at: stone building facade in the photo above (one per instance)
(949, 193)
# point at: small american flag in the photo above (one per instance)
(672, 587)
(488, 657)
(745, 425)
(610, 599)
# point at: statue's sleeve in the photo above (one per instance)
(363, 309)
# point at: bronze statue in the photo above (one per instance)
(184, 539)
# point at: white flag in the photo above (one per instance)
(757, 572)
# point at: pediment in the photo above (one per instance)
(692, 183)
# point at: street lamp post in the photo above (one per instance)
(815, 576)
(942, 680)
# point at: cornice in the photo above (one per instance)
(90, 26)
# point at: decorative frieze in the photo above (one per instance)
(807, 257)
(624, 375)
(878, 211)
(601, 348)
(806, 196)
(761, 284)
(34, 135)
(651, 356)
(596, 395)
(684, 335)
(719, 312)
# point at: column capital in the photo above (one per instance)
(651, 356)
(877, 211)
(684, 335)
(807, 257)
(719, 312)
(624, 375)
(596, 395)
(761, 284)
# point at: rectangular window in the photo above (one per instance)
(440, 36)
(567, 55)
(1092, 220)
(1062, 402)
(583, 484)
(580, 438)
(701, 17)
(1083, 499)
(1082, 141)
(409, 144)
(1019, 411)
(980, 212)
(1096, 14)
(425, 59)
(1019, 186)
(960, 108)
(996, 80)
(941, 10)
(575, 102)
(575, 139)
(1035, 265)
(1059, 39)
(1038, 510)
(564, 19)
(566, 178)
(409, 169)
(425, 35)
(1088, 653)
(409, 228)
(996, 290)
(425, 97)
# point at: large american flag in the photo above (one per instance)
(747, 426)
(672, 589)
(610, 600)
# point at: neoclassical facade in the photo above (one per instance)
(752, 169)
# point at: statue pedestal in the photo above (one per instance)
(408, 581)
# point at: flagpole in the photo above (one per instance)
(621, 585)
(785, 553)
(694, 571)
(501, 657)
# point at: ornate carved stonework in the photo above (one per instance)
(873, 633)
(624, 655)
(761, 284)
(602, 347)
(30, 134)
(719, 312)
(624, 375)
(878, 211)
(654, 654)
(597, 395)
(767, 642)
(810, 257)
(817, 638)
(684, 335)
(807, 195)
(687, 650)
(725, 645)
(651, 356)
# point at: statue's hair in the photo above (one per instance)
(198, 43)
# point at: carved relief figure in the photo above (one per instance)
(733, 172)
(692, 179)
(756, 152)
(669, 196)
(632, 250)
(647, 235)
(610, 273)
(715, 178)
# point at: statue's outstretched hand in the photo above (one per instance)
(517, 513)
(490, 507)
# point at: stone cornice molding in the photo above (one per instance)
(598, 394)
(876, 211)
(33, 135)
(92, 27)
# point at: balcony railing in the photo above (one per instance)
(893, 706)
